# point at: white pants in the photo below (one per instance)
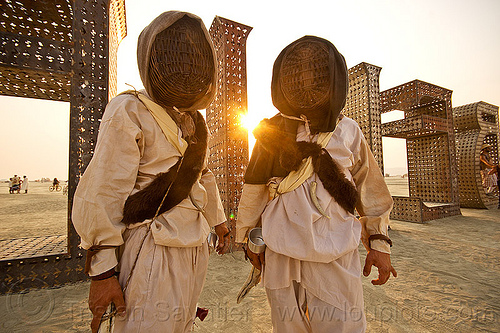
(295, 310)
(164, 286)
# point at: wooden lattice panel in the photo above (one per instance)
(363, 105)
(428, 128)
(475, 124)
(229, 140)
(59, 50)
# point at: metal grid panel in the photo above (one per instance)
(428, 128)
(407, 209)
(475, 124)
(229, 141)
(57, 42)
(117, 31)
(35, 49)
(363, 105)
(429, 168)
(31, 83)
(25, 248)
(41, 19)
(414, 127)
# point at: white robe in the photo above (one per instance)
(303, 245)
(167, 280)
(24, 185)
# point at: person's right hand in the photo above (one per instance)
(101, 294)
(256, 259)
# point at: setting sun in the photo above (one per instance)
(249, 121)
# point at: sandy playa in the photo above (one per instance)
(447, 269)
(38, 213)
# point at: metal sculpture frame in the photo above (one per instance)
(475, 124)
(363, 105)
(432, 168)
(63, 50)
(229, 140)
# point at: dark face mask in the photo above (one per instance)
(310, 78)
(305, 76)
(305, 79)
(181, 66)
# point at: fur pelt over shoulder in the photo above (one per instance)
(291, 153)
(178, 181)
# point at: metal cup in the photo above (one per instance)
(212, 239)
(256, 243)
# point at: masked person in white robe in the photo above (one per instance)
(147, 202)
(310, 169)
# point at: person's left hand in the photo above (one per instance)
(382, 261)
(224, 238)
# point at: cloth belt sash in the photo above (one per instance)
(166, 123)
(295, 178)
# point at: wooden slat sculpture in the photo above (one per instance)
(475, 124)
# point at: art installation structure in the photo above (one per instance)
(63, 50)
(428, 129)
(363, 105)
(229, 140)
(475, 124)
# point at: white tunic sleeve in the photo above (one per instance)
(107, 182)
(254, 198)
(375, 202)
(214, 212)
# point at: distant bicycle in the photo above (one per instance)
(56, 188)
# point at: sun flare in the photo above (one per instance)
(249, 121)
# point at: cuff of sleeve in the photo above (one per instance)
(103, 261)
(105, 275)
(381, 246)
(241, 235)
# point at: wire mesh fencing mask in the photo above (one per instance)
(305, 76)
(181, 65)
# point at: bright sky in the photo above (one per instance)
(454, 44)
(450, 43)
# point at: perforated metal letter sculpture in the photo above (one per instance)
(476, 124)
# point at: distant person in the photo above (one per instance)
(10, 186)
(488, 176)
(494, 171)
(55, 183)
(16, 183)
(24, 184)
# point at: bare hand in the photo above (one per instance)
(256, 259)
(102, 293)
(224, 238)
(383, 262)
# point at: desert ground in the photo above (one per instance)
(37, 213)
(447, 275)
